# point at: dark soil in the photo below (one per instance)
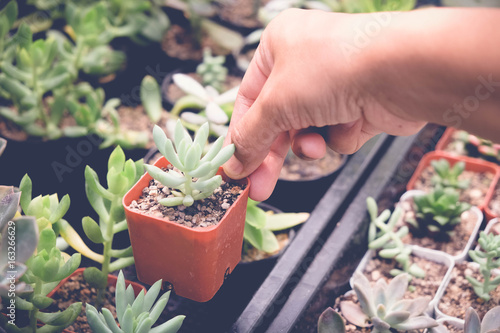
(434, 274)
(296, 168)
(77, 290)
(479, 184)
(454, 245)
(180, 43)
(202, 213)
(241, 13)
(136, 119)
(459, 295)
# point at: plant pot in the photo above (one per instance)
(111, 282)
(471, 164)
(194, 260)
(438, 257)
(450, 144)
(302, 195)
(406, 202)
(495, 199)
(463, 298)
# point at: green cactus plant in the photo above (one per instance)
(437, 212)
(384, 307)
(186, 157)
(447, 176)
(382, 235)
(134, 314)
(487, 259)
(107, 203)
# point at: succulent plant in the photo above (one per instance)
(259, 226)
(212, 70)
(42, 269)
(382, 235)
(361, 6)
(134, 314)
(490, 323)
(488, 259)
(151, 98)
(18, 242)
(447, 176)
(383, 306)
(107, 203)
(206, 99)
(437, 212)
(186, 158)
(330, 321)
(477, 147)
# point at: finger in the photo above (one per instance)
(349, 138)
(308, 144)
(264, 178)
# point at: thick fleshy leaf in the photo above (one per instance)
(330, 322)
(417, 323)
(227, 97)
(193, 118)
(215, 114)
(396, 317)
(190, 86)
(396, 289)
(26, 232)
(151, 98)
(491, 320)
(9, 201)
(256, 216)
(171, 326)
(92, 230)
(169, 179)
(354, 314)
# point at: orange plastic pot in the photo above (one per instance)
(194, 260)
(445, 139)
(471, 164)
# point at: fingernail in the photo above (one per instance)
(233, 168)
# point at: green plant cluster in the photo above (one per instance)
(447, 176)
(488, 259)
(381, 306)
(41, 77)
(187, 158)
(382, 235)
(135, 314)
(437, 212)
(260, 227)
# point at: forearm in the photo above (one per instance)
(439, 65)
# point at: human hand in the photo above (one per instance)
(300, 80)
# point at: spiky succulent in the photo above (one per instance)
(186, 157)
(447, 176)
(135, 314)
(438, 211)
(488, 259)
(382, 235)
(384, 307)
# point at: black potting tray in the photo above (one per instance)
(318, 264)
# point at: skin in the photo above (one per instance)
(321, 83)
